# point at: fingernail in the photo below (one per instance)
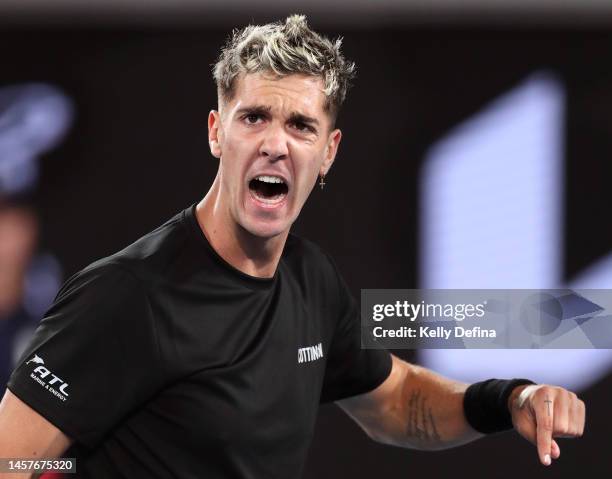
(547, 460)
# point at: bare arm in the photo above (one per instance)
(420, 409)
(26, 434)
(413, 408)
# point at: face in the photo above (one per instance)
(273, 140)
(17, 242)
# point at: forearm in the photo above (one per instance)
(417, 408)
(414, 408)
(429, 412)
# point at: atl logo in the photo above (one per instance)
(41, 372)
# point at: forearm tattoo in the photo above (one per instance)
(421, 423)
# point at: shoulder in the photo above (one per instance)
(155, 251)
(305, 253)
(139, 264)
(102, 279)
(311, 264)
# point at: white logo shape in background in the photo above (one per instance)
(491, 217)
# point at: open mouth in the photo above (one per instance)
(268, 189)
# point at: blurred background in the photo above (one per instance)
(476, 154)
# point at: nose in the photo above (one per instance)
(274, 144)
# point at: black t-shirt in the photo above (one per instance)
(164, 361)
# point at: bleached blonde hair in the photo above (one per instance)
(283, 49)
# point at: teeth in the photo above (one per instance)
(269, 179)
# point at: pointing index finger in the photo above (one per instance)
(544, 412)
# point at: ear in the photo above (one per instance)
(333, 141)
(214, 123)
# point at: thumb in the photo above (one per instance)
(527, 428)
(555, 450)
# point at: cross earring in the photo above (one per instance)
(322, 181)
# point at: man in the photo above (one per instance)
(205, 348)
(34, 118)
(18, 232)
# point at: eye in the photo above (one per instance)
(252, 118)
(303, 127)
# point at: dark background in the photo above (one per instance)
(138, 153)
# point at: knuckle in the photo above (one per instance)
(547, 426)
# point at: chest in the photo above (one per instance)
(246, 367)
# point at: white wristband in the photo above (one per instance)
(525, 393)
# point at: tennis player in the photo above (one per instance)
(205, 348)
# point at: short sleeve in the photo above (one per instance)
(351, 370)
(94, 357)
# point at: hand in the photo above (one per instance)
(541, 412)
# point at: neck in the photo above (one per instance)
(248, 253)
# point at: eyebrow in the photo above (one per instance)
(300, 118)
(294, 117)
(254, 110)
